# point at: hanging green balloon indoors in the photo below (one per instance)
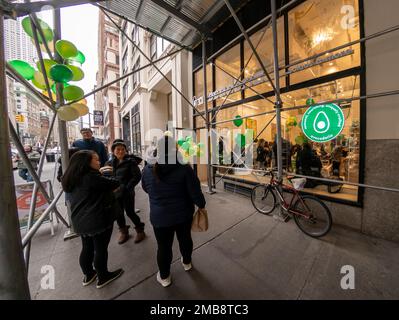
(238, 121)
(73, 93)
(23, 68)
(180, 142)
(310, 101)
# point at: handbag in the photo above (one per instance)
(200, 221)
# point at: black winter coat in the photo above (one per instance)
(172, 198)
(127, 173)
(93, 204)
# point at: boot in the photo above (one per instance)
(140, 234)
(123, 234)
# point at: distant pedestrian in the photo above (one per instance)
(94, 210)
(173, 191)
(125, 168)
(90, 143)
(34, 158)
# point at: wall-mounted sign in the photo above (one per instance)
(259, 77)
(323, 123)
(98, 118)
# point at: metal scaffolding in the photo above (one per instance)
(13, 274)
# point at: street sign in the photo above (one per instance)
(20, 118)
(98, 118)
(323, 123)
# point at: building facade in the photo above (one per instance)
(149, 102)
(108, 100)
(365, 150)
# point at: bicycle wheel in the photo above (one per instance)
(315, 218)
(263, 198)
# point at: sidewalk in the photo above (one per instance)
(244, 255)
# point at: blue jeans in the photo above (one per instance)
(24, 174)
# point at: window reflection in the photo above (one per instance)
(319, 25)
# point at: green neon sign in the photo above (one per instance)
(323, 123)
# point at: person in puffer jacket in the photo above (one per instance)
(126, 170)
(93, 212)
(174, 190)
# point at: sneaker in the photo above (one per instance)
(188, 266)
(89, 279)
(164, 282)
(111, 277)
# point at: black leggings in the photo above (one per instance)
(126, 203)
(95, 249)
(165, 238)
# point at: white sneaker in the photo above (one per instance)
(164, 282)
(188, 266)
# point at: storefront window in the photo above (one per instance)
(263, 42)
(317, 26)
(199, 85)
(228, 67)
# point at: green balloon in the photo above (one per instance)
(48, 63)
(23, 68)
(66, 49)
(180, 142)
(61, 73)
(185, 146)
(73, 93)
(53, 87)
(238, 122)
(191, 151)
(240, 140)
(80, 58)
(310, 101)
(78, 73)
(189, 138)
(47, 31)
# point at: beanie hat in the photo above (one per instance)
(118, 142)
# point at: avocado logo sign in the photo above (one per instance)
(323, 123)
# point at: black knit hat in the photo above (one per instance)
(118, 142)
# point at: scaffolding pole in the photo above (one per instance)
(62, 130)
(208, 126)
(13, 276)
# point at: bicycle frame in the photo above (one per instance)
(275, 184)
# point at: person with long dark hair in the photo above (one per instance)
(173, 189)
(92, 202)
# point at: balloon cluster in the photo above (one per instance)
(189, 148)
(291, 121)
(61, 73)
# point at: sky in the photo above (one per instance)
(79, 24)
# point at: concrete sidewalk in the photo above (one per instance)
(244, 255)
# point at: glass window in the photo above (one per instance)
(136, 132)
(317, 26)
(199, 85)
(136, 75)
(125, 90)
(227, 70)
(263, 42)
(124, 63)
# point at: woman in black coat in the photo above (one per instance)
(125, 169)
(92, 202)
(173, 189)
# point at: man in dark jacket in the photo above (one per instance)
(173, 190)
(90, 143)
(125, 169)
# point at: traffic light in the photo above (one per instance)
(20, 118)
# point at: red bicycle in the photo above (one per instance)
(311, 215)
